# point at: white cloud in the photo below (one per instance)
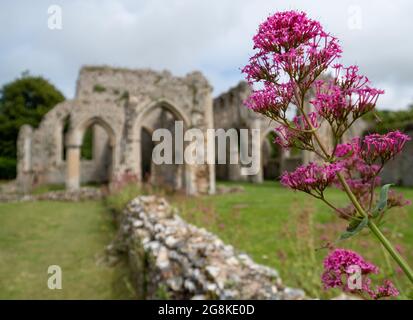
(182, 35)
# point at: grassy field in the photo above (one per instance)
(289, 231)
(34, 235)
(277, 227)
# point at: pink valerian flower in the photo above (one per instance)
(344, 150)
(285, 30)
(261, 68)
(386, 290)
(345, 98)
(291, 44)
(396, 199)
(300, 121)
(340, 264)
(377, 147)
(271, 101)
(311, 178)
(289, 137)
(337, 264)
(359, 175)
(298, 133)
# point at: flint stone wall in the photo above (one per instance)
(172, 259)
(82, 194)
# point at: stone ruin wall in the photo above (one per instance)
(230, 112)
(171, 259)
(119, 103)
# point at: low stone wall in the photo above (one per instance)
(172, 259)
(82, 194)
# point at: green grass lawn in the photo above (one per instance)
(278, 227)
(34, 235)
(289, 231)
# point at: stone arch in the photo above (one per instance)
(183, 171)
(77, 130)
(74, 143)
(175, 110)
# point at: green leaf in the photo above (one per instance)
(382, 203)
(355, 227)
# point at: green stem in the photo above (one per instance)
(373, 227)
(393, 252)
(377, 232)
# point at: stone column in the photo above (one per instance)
(24, 156)
(72, 167)
(256, 145)
(234, 169)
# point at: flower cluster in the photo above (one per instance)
(291, 42)
(345, 98)
(292, 51)
(311, 178)
(377, 147)
(298, 133)
(359, 175)
(271, 101)
(362, 174)
(396, 199)
(340, 264)
(387, 289)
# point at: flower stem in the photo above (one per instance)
(376, 231)
(372, 226)
(392, 251)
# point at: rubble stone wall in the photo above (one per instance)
(172, 259)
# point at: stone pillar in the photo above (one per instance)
(256, 145)
(24, 157)
(100, 142)
(234, 169)
(72, 167)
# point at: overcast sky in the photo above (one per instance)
(213, 36)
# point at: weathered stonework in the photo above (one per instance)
(230, 112)
(124, 107)
(172, 259)
(82, 194)
(119, 104)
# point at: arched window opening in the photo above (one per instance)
(271, 157)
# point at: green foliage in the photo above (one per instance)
(86, 151)
(275, 148)
(99, 88)
(48, 188)
(118, 200)
(291, 231)
(355, 227)
(23, 101)
(7, 168)
(125, 95)
(382, 203)
(162, 292)
(387, 120)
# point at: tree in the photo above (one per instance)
(23, 101)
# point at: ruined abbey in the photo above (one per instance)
(123, 108)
